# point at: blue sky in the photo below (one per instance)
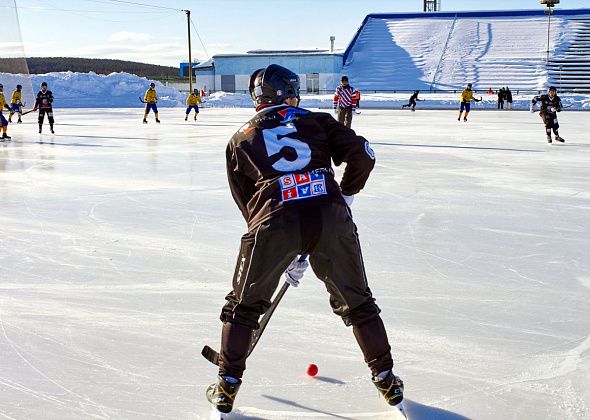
(116, 29)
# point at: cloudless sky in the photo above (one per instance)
(116, 29)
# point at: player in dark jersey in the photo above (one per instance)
(412, 101)
(44, 103)
(550, 106)
(280, 176)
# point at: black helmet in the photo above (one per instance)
(1, 86)
(152, 84)
(344, 79)
(195, 90)
(553, 88)
(43, 84)
(273, 85)
(469, 85)
(19, 87)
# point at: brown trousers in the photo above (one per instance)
(328, 234)
(345, 116)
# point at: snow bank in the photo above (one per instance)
(91, 90)
(396, 100)
(122, 90)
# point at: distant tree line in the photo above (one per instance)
(38, 65)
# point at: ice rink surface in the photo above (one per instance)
(118, 242)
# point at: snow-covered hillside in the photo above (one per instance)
(446, 50)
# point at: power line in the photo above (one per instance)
(133, 3)
(200, 40)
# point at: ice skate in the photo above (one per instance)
(222, 394)
(549, 139)
(392, 389)
(559, 139)
(158, 121)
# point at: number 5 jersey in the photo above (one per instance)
(282, 159)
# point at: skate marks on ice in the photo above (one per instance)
(414, 411)
(449, 146)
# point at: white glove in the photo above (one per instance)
(552, 109)
(295, 271)
(349, 199)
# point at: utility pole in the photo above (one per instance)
(190, 58)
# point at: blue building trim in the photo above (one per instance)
(299, 63)
(483, 13)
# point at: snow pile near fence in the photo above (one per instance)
(396, 100)
(122, 90)
(91, 90)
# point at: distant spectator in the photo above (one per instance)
(357, 101)
(490, 91)
(501, 95)
(508, 98)
(344, 104)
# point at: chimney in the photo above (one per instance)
(332, 39)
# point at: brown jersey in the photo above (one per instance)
(281, 159)
(548, 105)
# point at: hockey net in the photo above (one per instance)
(13, 63)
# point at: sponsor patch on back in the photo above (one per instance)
(302, 186)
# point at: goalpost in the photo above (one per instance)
(13, 63)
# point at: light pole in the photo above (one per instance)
(549, 11)
(190, 58)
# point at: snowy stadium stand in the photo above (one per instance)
(445, 51)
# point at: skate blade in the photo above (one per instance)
(400, 408)
(216, 414)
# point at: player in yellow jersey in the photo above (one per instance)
(16, 105)
(3, 122)
(192, 102)
(151, 99)
(466, 98)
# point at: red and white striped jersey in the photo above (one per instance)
(344, 97)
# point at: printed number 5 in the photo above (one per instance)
(274, 144)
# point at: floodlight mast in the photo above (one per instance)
(550, 4)
(431, 5)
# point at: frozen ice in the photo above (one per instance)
(118, 242)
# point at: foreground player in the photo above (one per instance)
(550, 106)
(44, 104)
(280, 176)
(466, 98)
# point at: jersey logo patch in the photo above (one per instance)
(289, 114)
(302, 186)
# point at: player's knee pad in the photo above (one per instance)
(361, 314)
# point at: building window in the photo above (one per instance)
(313, 82)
